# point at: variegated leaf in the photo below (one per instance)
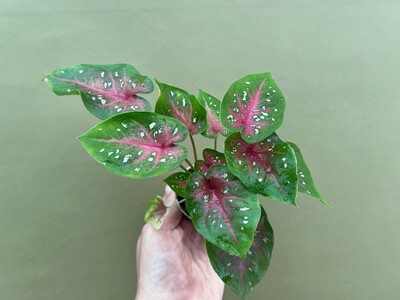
(137, 144)
(267, 167)
(253, 106)
(211, 157)
(179, 104)
(156, 212)
(177, 182)
(223, 210)
(305, 181)
(213, 109)
(242, 276)
(106, 90)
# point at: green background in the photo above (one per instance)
(68, 228)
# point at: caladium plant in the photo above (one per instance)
(220, 189)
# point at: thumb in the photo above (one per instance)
(174, 215)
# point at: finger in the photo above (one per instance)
(174, 215)
(138, 250)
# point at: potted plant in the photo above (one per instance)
(219, 189)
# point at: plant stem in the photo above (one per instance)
(176, 203)
(190, 164)
(215, 143)
(194, 147)
(184, 169)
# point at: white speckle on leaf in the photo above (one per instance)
(81, 71)
(126, 158)
(151, 126)
(244, 209)
(102, 149)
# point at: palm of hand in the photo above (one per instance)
(172, 262)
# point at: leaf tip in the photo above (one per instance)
(322, 200)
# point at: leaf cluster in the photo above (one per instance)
(220, 188)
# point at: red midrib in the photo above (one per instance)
(102, 92)
(253, 104)
(134, 143)
(226, 217)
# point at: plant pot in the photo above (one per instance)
(182, 206)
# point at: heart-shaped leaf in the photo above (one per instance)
(223, 210)
(106, 90)
(267, 167)
(177, 182)
(156, 212)
(242, 276)
(213, 109)
(305, 181)
(211, 157)
(254, 106)
(137, 144)
(179, 104)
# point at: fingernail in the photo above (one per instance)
(167, 190)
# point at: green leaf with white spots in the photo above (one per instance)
(242, 276)
(179, 104)
(106, 90)
(253, 106)
(267, 167)
(213, 109)
(211, 157)
(156, 212)
(305, 181)
(137, 144)
(223, 210)
(177, 182)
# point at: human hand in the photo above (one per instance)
(172, 262)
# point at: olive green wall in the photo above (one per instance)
(68, 228)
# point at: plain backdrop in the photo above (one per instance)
(68, 227)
